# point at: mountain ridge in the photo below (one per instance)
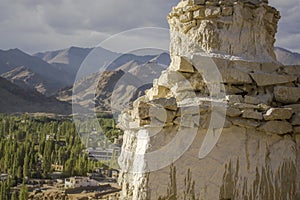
(287, 57)
(14, 99)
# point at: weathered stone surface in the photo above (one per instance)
(136, 124)
(287, 94)
(188, 26)
(233, 112)
(278, 113)
(212, 11)
(246, 123)
(160, 113)
(296, 119)
(227, 11)
(266, 97)
(297, 130)
(182, 86)
(207, 123)
(246, 66)
(123, 121)
(198, 84)
(269, 67)
(199, 2)
(189, 110)
(182, 95)
(218, 39)
(170, 78)
(199, 14)
(211, 2)
(157, 92)
(251, 114)
(186, 17)
(181, 64)
(244, 106)
(292, 70)
(231, 90)
(234, 99)
(271, 79)
(295, 107)
(141, 110)
(235, 76)
(251, 100)
(186, 121)
(277, 127)
(167, 103)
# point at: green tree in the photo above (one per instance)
(23, 192)
(5, 190)
(14, 196)
(26, 167)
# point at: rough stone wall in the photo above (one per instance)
(257, 154)
(234, 28)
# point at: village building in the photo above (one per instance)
(77, 182)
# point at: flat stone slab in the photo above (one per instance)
(262, 79)
(251, 114)
(170, 78)
(167, 103)
(287, 94)
(233, 112)
(278, 113)
(252, 100)
(277, 127)
(246, 123)
(235, 76)
(295, 107)
(293, 70)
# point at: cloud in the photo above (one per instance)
(288, 35)
(36, 25)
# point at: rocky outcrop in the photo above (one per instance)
(224, 110)
(234, 28)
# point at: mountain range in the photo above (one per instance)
(287, 57)
(53, 73)
(46, 81)
(14, 99)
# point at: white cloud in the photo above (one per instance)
(288, 35)
(35, 25)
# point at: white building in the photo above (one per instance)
(77, 182)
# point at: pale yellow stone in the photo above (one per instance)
(157, 92)
(212, 11)
(181, 64)
(199, 14)
(186, 17)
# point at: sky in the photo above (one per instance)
(40, 25)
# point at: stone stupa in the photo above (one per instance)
(225, 114)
